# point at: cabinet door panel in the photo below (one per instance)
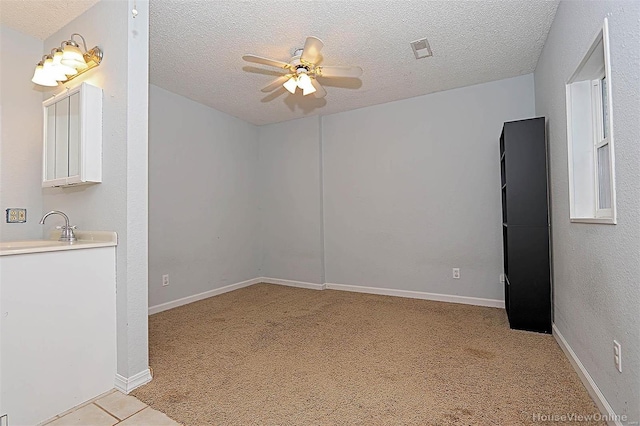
(526, 172)
(50, 143)
(529, 278)
(74, 134)
(62, 139)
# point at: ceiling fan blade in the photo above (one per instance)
(276, 83)
(320, 92)
(338, 71)
(265, 61)
(311, 50)
(263, 71)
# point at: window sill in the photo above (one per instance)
(599, 220)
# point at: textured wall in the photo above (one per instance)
(119, 202)
(21, 145)
(597, 267)
(137, 263)
(203, 199)
(290, 201)
(411, 190)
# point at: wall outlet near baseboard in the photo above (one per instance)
(502, 279)
(165, 280)
(456, 273)
(617, 355)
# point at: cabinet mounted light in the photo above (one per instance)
(66, 62)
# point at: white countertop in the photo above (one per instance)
(86, 240)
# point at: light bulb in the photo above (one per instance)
(57, 58)
(291, 85)
(72, 57)
(40, 77)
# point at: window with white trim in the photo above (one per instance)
(590, 137)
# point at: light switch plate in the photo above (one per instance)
(617, 355)
(16, 215)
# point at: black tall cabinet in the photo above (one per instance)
(525, 227)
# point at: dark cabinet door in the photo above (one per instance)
(526, 172)
(529, 292)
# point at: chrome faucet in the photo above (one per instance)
(67, 233)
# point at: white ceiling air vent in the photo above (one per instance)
(421, 48)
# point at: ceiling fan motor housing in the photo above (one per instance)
(301, 69)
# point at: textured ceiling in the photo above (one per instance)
(197, 47)
(41, 18)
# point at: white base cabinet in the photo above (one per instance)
(58, 331)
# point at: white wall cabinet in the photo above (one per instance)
(72, 151)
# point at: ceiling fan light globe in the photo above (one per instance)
(304, 81)
(291, 85)
(307, 90)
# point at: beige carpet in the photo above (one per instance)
(274, 355)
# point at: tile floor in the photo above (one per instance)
(113, 408)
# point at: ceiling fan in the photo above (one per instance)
(303, 70)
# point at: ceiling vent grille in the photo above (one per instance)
(421, 48)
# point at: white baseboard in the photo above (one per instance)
(190, 299)
(587, 380)
(290, 283)
(127, 384)
(493, 303)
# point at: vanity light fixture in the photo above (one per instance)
(66, 62)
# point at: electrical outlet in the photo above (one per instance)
(456, 273)
(617, 355)
(16, 215)
(502, 278)
(165, 280)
